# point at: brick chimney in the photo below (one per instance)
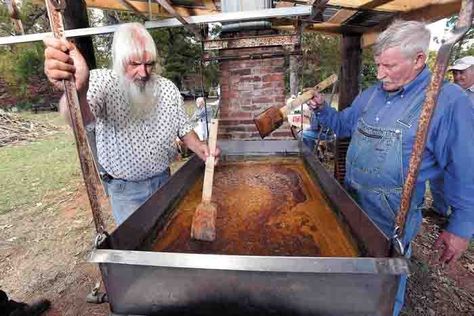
(251, 80)
(251, 71)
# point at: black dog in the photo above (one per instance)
(12, 308)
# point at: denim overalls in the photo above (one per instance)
(375, 171)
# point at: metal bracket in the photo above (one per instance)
(396, 242)
(100, 238)
(95, 296)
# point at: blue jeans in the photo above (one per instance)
(126, 196)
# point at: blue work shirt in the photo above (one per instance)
(449, 149)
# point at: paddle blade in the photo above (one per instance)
(204, 222)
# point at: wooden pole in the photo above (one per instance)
(75, 17)
(348, 89)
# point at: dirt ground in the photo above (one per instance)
(44, 252)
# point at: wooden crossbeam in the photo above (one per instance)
(142, 6)
(133, 8)
(342, 16)
(253, 41)
(210, 5)
(428, 14)
(390, 5)
(168, 7)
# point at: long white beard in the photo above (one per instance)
(141, 96)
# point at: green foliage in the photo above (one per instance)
(368, 69)
(28, 173)
(321, 58)
(465, 46)
(180, 54)
(18, 65)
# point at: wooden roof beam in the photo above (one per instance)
(142, 6)
(132, 7)
(342, 16)
(168, 7)
(390, 5)
(428, 14)
(210, 5)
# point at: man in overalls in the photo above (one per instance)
(382, 122)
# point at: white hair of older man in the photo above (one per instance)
(131, 39)
(411, 36)
(200, 102)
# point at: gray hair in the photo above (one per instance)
(411, 36)
(131, 39)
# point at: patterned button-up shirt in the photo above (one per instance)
(132, 148)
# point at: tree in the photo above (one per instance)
(465, 46)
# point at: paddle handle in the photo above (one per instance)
(210, 161)
(308, 95)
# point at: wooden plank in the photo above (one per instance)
(210, 5)
(142, 6)
(342, 16)
(192, 28)
(132, 7)
(391, 6)
(429, 14)
(252, 41)
(384, 5)
(368, 39)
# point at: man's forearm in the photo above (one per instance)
(87, 115)
(191, 140)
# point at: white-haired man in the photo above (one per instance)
(199, 116)
(382, 123)
(137, 114)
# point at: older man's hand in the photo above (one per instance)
(204, 153)
(63, 61)
(452, 247)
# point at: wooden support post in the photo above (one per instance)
(75, 17)
(348, 89)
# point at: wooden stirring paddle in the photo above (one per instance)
(204, 220)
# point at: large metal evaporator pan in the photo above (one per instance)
(143, 282)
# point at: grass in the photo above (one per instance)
(29, 171)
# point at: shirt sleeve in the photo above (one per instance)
(454, 152)
(184, 122)
(341, 122)
(96, 92)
